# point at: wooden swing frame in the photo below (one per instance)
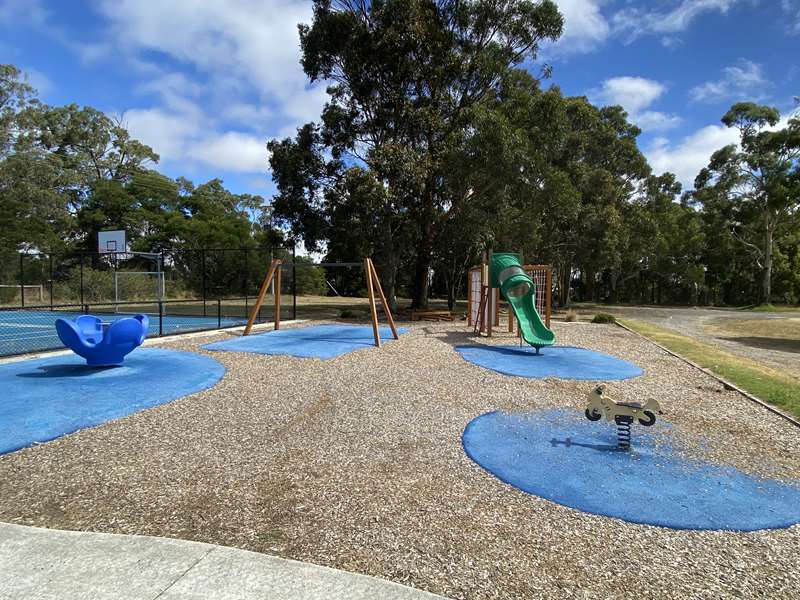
(373, 285)
(274, 272)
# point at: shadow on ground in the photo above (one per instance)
(67, 370)
(765, 343)
(454, 338)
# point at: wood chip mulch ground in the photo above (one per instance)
(356, 463)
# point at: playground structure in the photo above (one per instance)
(102, 344)
(527, 289)
(374, 293)
(622, 413)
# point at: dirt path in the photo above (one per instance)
(709, 325)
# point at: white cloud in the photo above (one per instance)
(181, 134)
(234, 151)
(245, 44)
(167, 132)
(635, 22)
(690, 154)
(743, 81)
(18, 12)
(585, 27)
(92, 52)
(40, 82)
(792, 10)
(653, 120)
(231, 79)
(635, 95)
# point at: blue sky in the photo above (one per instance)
(207, 82)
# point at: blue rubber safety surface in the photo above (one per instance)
(563, 362)
(23, 331)
(46, 398)
(316, 341)
(563, 457)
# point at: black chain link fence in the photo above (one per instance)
(180, 290)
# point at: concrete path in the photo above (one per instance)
(49, 564)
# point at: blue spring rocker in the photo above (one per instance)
(102, 344)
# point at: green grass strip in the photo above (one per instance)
(771, 385)
(774, 308)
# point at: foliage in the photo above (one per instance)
(751, 192)
(604, 318)
(435, 146)
(309, 279)
(407, 79)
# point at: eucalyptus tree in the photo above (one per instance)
(406, 78)
(754, 184)
(32, 211)
(15, 94)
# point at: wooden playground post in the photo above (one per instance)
(480, 322)
(386, 309)
(274, 266)
(548, 294)
(469, 298)
(373, 310)
(490, 293)
(278, 298)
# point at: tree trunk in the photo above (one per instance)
(591, 287)
(388, 262)
(614, 287)
(566, 282)
(767, 281)
(421, 270)
(423, 261)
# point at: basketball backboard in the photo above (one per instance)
(111, 241)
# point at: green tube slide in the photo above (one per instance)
(519, 291)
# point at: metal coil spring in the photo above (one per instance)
(623, 431)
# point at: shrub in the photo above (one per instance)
(350, 313)
(310, 280)
(604, 318)
(571, 316)
(8, 294)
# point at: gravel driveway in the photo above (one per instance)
(696, 322)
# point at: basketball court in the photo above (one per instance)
(23, 331)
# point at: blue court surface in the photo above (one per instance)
(316, 341)
(23, 331)
(46, 398)
(562, 362)
(563, 457)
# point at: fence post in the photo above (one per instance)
(203, 271)
(51, 281)
(246, 312)
(81, 282)
(219, 313)
(21, 280)
(160, 318)
(294, 283)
